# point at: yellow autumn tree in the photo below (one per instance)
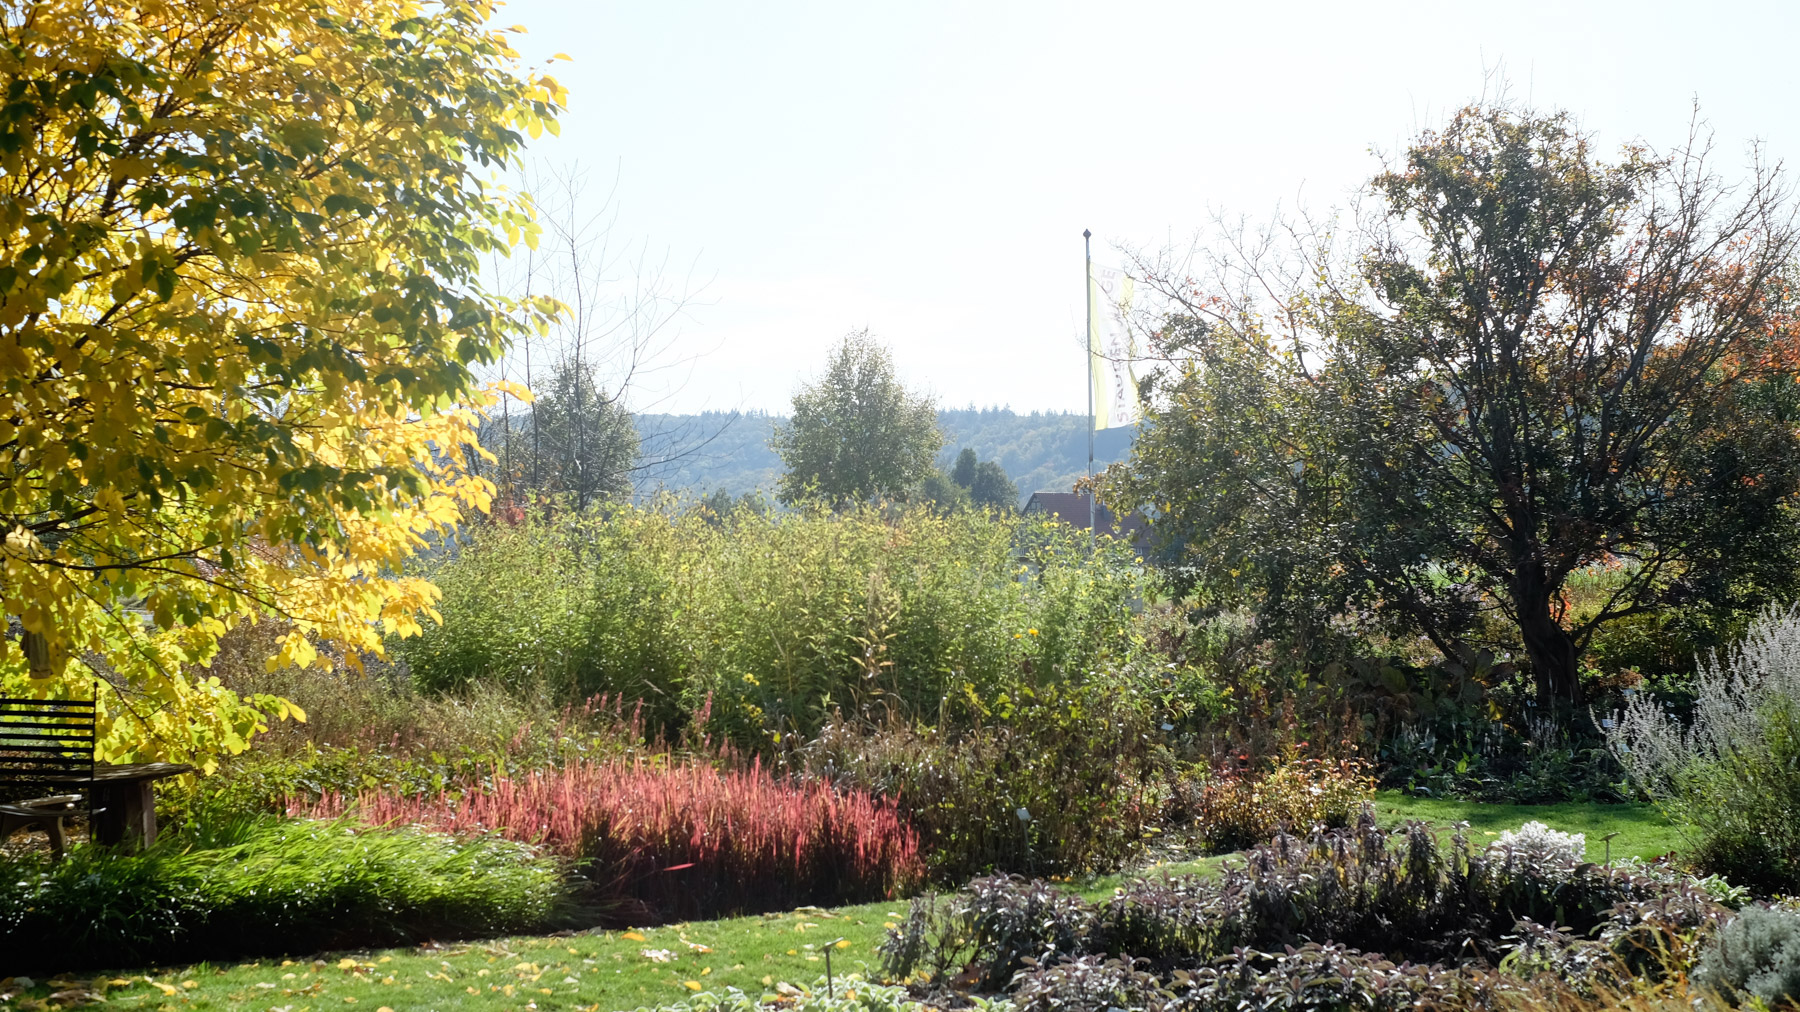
(239, 309)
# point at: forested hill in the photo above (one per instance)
(719, 450)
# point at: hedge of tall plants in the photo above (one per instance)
(770, 623)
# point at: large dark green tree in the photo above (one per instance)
(1532, 362)
(992, 489)
(857, 433)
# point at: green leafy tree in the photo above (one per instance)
(857, 433)
(963, 471)
(992, 489)
(1536, 363)
(943, 492)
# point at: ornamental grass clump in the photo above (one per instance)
(1733, 771)
(268, 886)
(774, 622)
(660, 841)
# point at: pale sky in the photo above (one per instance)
(926, 169)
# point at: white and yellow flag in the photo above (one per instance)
(1112, 347)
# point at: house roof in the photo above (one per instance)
(1072, 508)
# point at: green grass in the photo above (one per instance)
(601, 972)
(1643, 832)
(612, 971)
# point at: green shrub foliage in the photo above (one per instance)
(266, 887)
(1756, 955)
(770, 623)
(1060, 780)
(1733, 768)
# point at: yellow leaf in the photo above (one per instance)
(633, 936)
(691, 985)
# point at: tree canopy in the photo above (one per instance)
(963, 471)
(1533, 363)
(239, 306)
(576, 442)
(857, 433)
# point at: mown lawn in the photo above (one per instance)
(1642, 831)
(606, 971)
(622, 970)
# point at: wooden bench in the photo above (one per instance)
(46, 765)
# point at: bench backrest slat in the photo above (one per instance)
(46, 747)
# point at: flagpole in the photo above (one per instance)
(1087, 248)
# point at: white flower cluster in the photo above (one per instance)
(1534, 839)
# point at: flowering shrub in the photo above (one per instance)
(1403, 896)
(1237, 809)
(666, 842)
(1539, 842)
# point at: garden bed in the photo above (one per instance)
(626, 969)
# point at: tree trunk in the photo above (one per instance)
(1552, 653)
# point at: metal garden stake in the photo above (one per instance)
(828, 947)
